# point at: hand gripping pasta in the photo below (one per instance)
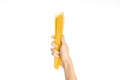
(59, 23)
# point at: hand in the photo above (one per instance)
(66, 62)
(63, 53)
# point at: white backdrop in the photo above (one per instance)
(92, 31)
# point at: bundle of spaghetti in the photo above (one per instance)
(59, 22)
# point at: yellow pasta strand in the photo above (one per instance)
(59, 21)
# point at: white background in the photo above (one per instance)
(92, 31)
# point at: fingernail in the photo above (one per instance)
(56, 55)
(56, 46)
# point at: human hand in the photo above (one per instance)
(63, 53)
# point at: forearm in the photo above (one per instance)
(69, 70)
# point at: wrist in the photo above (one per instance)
(66, 59)
(67, 62)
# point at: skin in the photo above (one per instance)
(66, 61)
